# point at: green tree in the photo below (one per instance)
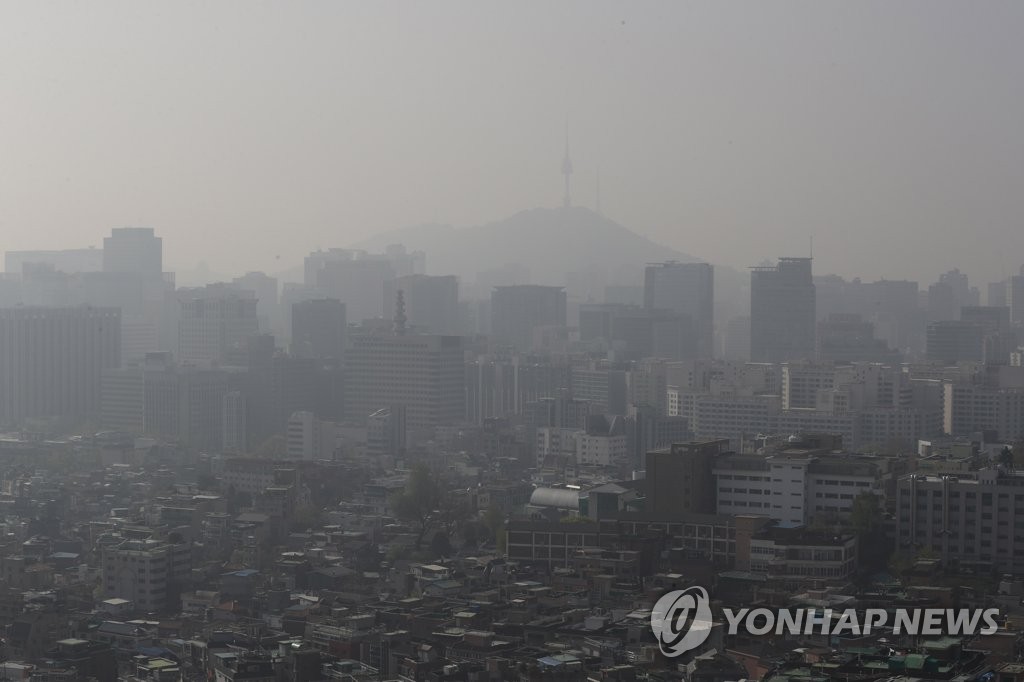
(419, 503)
(866, 513)
(866, 521)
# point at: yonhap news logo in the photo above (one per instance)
(681, 621)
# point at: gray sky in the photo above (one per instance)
(248, 131)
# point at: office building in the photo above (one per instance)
(265, 289)
(970, 408)
(386, 432)
(680, 479)
(686, 289)
(133, 249)
(213, 323)
(69, 261)
(782, 311)
(52, 360)
(848, 337)
(798, 484)
(518, 311)
(235, 430)
(969, 521)
(184, 403)
(425, 373)
(358, 283)
(318, 329)
(431, 302)
(953, 341)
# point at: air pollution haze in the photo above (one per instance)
(249, 133)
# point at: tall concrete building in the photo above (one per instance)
(213, 322)
(133, 249)
(265, 289)
(52, 360)
(425, 373)
(782, 311)
(64, 260)
(971, 520)
(685, 289)
(518, 310)
(431, 302)
(356, 283)
(1015, 298)
(184, 403)
(952, 341)
(149, 573)
(680, 479)
(318, 329)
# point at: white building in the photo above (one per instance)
(794, 488)
(146, 572)
(601, 450)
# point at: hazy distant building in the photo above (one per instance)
(62, 260)
(52, 360)
(265, 289)
(235, 429)
(214, 321)
(318, 329)
(782, 311)
(518, 310)
(1015, 298)
(133, 249)
(952, 341)
(353, 277)
(685, 289)
(184, 403)
(850, 338)
(386, 432)
(431, 302)
(425, 373)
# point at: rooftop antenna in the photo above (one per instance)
(566, 167)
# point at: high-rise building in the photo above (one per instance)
(213, 322)
(356, 283)
(685, 289)
(265, 289)
(133, 249)
(184, 403)
(782, 311)
(385, 432)
(518, 310)
(952, 341)
(69, 261)
(1015, 298)
(431, 302)
(52, 360)
(425, 373)
(235, 429)
(318, 329)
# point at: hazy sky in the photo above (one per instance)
(249, 133)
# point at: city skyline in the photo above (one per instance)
(878, 130)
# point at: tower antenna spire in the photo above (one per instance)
(566, 168)
(597, 197)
